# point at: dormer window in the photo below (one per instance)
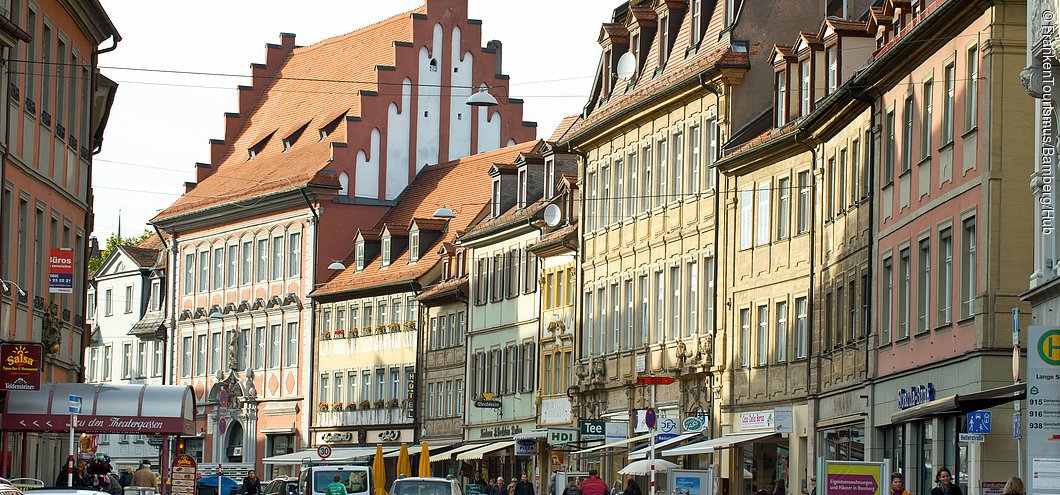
(290, 140)
(385, 261)
(664, 40)
(804, 89)
(258, 147)
(414, 245)
(782, 98)
(460, 264)
(496, 206)
(522, 188)
(359, 263)
(330, 127)
(697, 21)
(832, 59)
(445, 270)
(550, 176)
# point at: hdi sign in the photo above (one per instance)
(560, 436)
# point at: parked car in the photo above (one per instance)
(314, 480)
(8, 488)
(64, 491)
(425, 486)
(282, 486)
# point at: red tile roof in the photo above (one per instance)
(444, 288)
(562, 128)
(511, 217)
(315, 84)
(143, 257)
(464, 181)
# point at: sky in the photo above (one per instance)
(161, 122)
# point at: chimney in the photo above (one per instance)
(496, 46)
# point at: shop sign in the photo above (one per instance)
(499, 431)
(339, 437)
(560, 436)
(525, 448)
(854, 478)
(615, 431)
(992, 487)
(693, 424)
(1043, 408)
(666, 428)
(410, 395)
(183, 475)
(758, 420)
(390, 436)
(21, 365)
(916, 395)
(783, 419)
(61, 274)
(555, 410)
(593, 430)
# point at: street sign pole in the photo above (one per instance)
(651, 441)
(74, 403)
(1016, 379)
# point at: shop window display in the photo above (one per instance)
(844, 443)
(764, 464)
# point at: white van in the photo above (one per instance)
(314, 480)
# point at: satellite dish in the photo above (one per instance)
(552, 215)
(627, 66)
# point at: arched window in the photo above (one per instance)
(344, 182)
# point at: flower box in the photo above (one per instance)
(410, 325)
(395, 327)
(394, 403)
(351, 406)
(366, 331)
(380, 329)
(325, 335)
(353, 333)
(340, 333)
(323, 406)
(365, 404)
(380, 403)
(336, 407)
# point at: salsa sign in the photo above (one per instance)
(20, 365)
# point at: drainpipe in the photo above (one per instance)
(165, 347)
(717, 235)
(813, 260)
(307, 442)
(3, 160)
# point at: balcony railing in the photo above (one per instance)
(385, 416)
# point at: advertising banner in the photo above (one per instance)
(691, 482)
(183, 475)
(61, 273)
(21, 365)
(1043, 409)
(855, 478)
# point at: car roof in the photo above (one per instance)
(63, 491)
(417, 478)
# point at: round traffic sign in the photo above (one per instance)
(222, 425)
(650, 417)
(324, 451)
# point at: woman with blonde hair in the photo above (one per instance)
(1014, 486)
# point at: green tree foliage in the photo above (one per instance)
(112, 242)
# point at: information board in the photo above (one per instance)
(1043, 409)
(183, 475)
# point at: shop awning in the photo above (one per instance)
(105, 408)
(642, 453)
(531, 435)
(619, 443)
(725, 441)
(479, 452)
(338, 454)
(445, 456)
(962, 403)
(414, 449)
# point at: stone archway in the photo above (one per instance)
(234, 442)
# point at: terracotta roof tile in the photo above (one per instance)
(432, 224)
(763, 138)
(563, 127)
(443, 288)
(861, 27)
(314, 84)
(153, 242)
(511, 217)
(143, 257)
(464, 181)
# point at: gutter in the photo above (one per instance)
(312, 320)
(813, 264)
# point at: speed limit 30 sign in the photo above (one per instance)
(324, 451)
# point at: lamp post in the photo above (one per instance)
(652, 381)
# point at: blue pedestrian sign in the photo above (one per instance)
(75, 404)
(978, 422)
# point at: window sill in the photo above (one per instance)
(924, 160)
(966, 320)
(943, 327)
(969, 132)
(908, 171)
(948, 145)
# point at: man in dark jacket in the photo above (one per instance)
(498, 488)
(524, 487)
(593, 485)
(251, 484)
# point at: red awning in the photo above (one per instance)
(106, 408)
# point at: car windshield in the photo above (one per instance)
(418, 487)
(355, 481)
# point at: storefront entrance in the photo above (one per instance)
(764, 464)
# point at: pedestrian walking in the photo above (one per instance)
(524, 487)
(251, 484)
(1014, 486)
(632, 488)
(944, 479)
(593, 485)
(898, 485)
